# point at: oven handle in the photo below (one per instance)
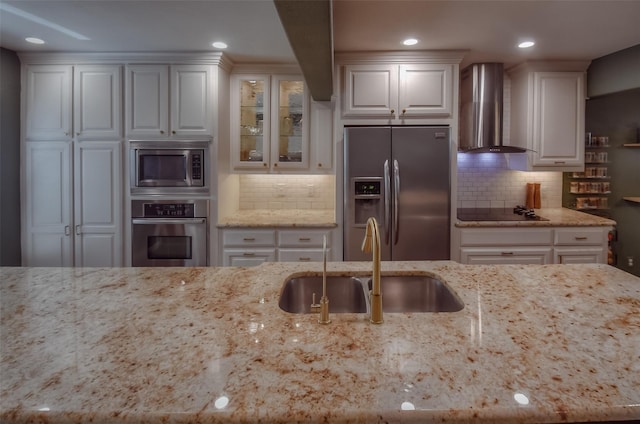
(182, 221)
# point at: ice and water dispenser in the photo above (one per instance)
(368, 200)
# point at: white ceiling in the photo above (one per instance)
(563, 29)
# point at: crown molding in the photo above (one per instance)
(401, 57)
(126, 58)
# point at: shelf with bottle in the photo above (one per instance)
(596, 142)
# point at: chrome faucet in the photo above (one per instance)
(372, 242)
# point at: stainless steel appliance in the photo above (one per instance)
(169, 167)
(400, 176)
(169, 232)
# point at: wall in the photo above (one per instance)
(287, 191)
(484, 180)
(613, 73)
(9, 158)
(618, 117)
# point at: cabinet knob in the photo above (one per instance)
(77, 133)
(319, 165)
(275, 165)
(393, 111)
(173, 132)
(404, 111)
(264, 164)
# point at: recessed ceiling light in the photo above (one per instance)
(526, 44)
(410, 42)
(219, 45)
(34, 40)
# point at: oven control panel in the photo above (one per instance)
(169, 210)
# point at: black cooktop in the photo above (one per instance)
(518, 213)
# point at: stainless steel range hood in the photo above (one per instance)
(481, 92)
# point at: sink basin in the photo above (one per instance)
(417, 293)
(346, 294)
(400, 293)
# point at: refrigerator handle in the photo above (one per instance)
(396, 200)
(387, 202)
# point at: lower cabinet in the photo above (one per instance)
(250, 247)
(72, 204)
(539, 246)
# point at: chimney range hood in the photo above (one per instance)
(481, 110)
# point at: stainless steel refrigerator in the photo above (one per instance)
(400, 176)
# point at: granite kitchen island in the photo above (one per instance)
(551, 343)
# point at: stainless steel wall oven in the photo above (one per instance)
(169, 232)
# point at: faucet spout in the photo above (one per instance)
(371, 244)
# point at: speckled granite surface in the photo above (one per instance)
(557, 217)
(533, 344)
(280, 218)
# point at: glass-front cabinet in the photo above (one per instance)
(269, 122)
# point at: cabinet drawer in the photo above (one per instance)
(580, 255)
(249, 238)
(301, 255)
(506, 255)
(309, 238)
(580, 236)
(505, 236)
(248, 257)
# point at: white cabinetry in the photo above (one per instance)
(72, 179)
(97, 103)
(580, 245)
(73, 204)
(547, 115)
(392, 91)
(48, 102)
(481, 246)
(269, 122)
(168, 101)
(510, 245)
(249, 247)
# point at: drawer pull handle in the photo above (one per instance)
(304, 259)
(581, 238)
(248, 254)
(249, 239)
(507, 253)
(559, 162)
(304, 239)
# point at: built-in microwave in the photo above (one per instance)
(169, 167)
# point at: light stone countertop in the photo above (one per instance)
(323, 218)
(139, 345)
(557, 217)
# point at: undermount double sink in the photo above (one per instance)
(348, 294)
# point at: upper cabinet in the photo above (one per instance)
(96, 96)
(97, 104)
(269, 122)
(169, 101)
(547, 115)
(392, 91)
(48, 103)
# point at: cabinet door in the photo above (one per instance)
(48, 102)
(250, 124)
(97, 102)
(147, 101)
(425, 90)
(47, 201)
(247, 257)
(558, 119)
(289, 123)
(506, 255)
(98, 204)
(321, 135)
(370, 91)
(579, 255)
(191, 100)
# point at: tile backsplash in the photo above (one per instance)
(485, 180)
(287, 191)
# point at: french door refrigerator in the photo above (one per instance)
(400, 176)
